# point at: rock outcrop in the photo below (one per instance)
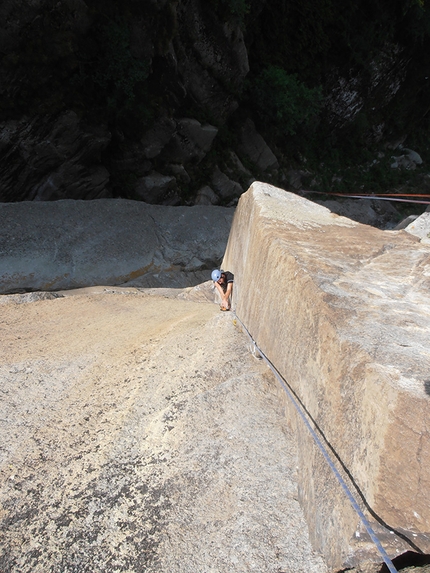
(92, 97)
(138, 434)
(69, 244)
(50, 158)
(380, 214)
(97, 97)
(420, 227)
(343, 311)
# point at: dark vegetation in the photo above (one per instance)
(114, 68)
(309, 43)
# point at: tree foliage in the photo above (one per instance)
(284, 100)
(115, 71)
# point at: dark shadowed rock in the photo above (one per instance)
(154, 188)
(206, 196)
(190, 141)
(157, 137)
(224, 186)
(254, 148)
(46, 159)
(218, 56)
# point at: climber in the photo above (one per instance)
(224, 283)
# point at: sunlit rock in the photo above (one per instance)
(69, 244)
(343, 311)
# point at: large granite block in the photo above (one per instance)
(343, 311)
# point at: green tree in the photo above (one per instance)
(284, 100)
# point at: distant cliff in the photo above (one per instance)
(186, 102)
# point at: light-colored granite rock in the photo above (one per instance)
(70, 244)
(420, 227)
(343, 311)
(138, 434)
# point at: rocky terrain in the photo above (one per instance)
(343, 311)
(140, 434)
(183, 103)
(70, 244)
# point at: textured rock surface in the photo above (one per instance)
(49, 158)
(380, 214)
(420, 227)
(69, 74)
(148, 84)
(70, 244)
(254, 148)
(343, 311)
(139, 434)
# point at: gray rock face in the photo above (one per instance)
(420, 227)
(69, 244)
(45, 159)
(224, 186)
(206, 196)
(154, 188)
(254, 148)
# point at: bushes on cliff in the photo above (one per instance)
(284, 100)
(118, 73)
(110, 76)
(229, 8)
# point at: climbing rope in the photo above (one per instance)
(324, 452)
(376, 196)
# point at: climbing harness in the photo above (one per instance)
(324, 452)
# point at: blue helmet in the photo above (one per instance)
(216, 275)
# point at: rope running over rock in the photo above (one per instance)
(324, 452)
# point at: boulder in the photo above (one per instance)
(157, 137)
(69, 244)
(155, 187)
(408, 160)
(403, 224)
(179, 173)
(343, 312)
(254, 148)
(190, 142)
(206, 196)
(379, 214)
(420, 227)
(225, 187)
(413, 156)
